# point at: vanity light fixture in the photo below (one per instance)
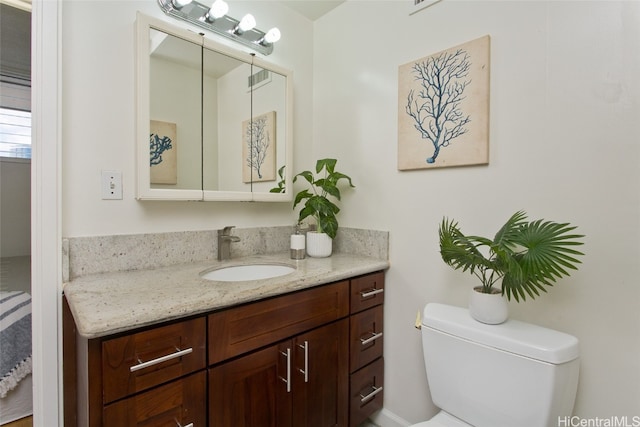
(247, 23)
(272, 36)
(219, 8)
(216, 20)
(179, 4)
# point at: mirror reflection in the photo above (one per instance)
(243, 110)
(218, 119)
(226, 105)
(174, 112)
(266, 137)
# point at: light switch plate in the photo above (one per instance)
(111, 185)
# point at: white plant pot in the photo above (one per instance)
(319, 245)
(488, 308)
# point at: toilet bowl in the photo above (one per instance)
(509, 375)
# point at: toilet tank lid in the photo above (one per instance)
(516, 337)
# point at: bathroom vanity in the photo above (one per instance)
(299, 350)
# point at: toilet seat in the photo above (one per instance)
(442, 419)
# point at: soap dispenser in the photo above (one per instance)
(298, 244)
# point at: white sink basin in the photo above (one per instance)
(239, 273)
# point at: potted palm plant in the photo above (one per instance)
(524, 258)
(318, 205)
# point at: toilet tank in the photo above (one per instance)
(509, 375)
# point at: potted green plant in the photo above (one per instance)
(524, 258)
(323, 185)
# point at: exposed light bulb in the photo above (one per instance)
(272, 36)
(219, 8)
(247, 23)
(179, 4)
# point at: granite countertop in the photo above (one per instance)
(109, 303)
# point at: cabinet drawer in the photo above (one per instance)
(366, 388)
(241, 329)
(142, 360)
(180, 403)
(365, 337)
(367, 291)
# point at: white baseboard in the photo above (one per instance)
(385, 418)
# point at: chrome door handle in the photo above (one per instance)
(365, 341)
(305, 371)
(287, 380)
(178, 353)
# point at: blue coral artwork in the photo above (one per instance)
(443, 108)
(163, 153)
(258, 148)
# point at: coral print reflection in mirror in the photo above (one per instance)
(258, 149)
(163, 152)
(443, 108)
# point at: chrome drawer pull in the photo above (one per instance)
(180, 425)
(178, 353)
(372, 338)
(370, 396)
(370, 293)
(287, 380)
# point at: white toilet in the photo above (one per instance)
(509, 375)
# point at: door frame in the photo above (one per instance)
(46, 241)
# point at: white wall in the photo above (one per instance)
(564, 146)
(98, 119)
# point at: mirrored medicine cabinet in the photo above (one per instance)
(213, 123)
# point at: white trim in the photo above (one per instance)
(46, 246)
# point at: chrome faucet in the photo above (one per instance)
(224, 243)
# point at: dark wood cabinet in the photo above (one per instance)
(297, 382)
(366, 337)
(320, 368)
(367, 291)
(366, 385)
(142, 360)
(237, 330)
(310, 358)
(142, 378)
(301, 379)
(249, 391)
(366, 365)
(178, 403)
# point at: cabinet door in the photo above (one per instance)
(180, 402)
(253, 390)
(320, 385)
